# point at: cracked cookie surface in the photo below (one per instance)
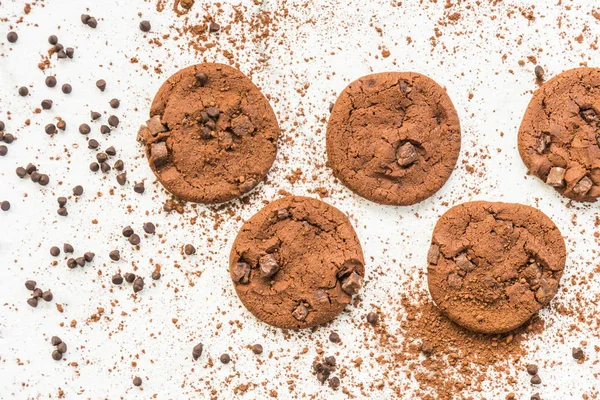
(493, 265)
(559, 137)
(393, 137)
(296, 263)
(212, 135)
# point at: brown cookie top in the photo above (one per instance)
(212, 135)
(493, 265)
(393, 137)
(296, 263)
(559, 137)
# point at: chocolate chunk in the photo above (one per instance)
(117, 279)
(137, 381)
(145, 26)
(30, 285)
(464, 263)
(240, 272)
(55, 341)
(556, 177)
(189, 249)
(242, 126)
(283, 213)
(583, 186)
(590, 116)
(546, 290)
(300, 312)
(433, 254)
(257, 349)
(155, 125)
(159, 154)
(57, 355)
(201, 78)
(213, 112)
(114, 255)
(542, 143)
(101, 84)
(352, 283)
(268, 265)
(577, 353)
(455, 281)
(197, 351)
(406, 155)
(47, 295)
(225, 359)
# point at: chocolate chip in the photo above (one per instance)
(189, 249)
(5, 205)
(3, 150)
(114, 255)
(80, 261)
(71, 263)
(257, 349)
(62, 125)
(92, 23)
(127, 231)
(50, 129)
(78, 190)
(47, 295)
(111, 151)
(137, 381)
(334, 382)
(57, 355)
(300, 312)
(93, 144)
(214, 27)
(149, 227)
(352, 283)
(46, 104)
(113, 121)
(129, 278)
(35, 176)
(372, 318)
(539, 71)
(536, 380)
(70, 52)
(283, 213)
(101, 84)
(577, 353)
(122, 178)
(51, 81)
(197, 351)
(225, 359)
(55, 341)
(23, 91)
(8, 138)
(52, 39)
(37, 293)
(61, 54)
(532, 369)
(114, 103)
(104, 129)
(138, 284)
(61, 347)
(58, 47)
(89, 256)
(406, 154)
(62, 212)
(556, 177)
(44, 179)
(104, 167)
(84, 129)
(94, 167)
(66, 88)
(134, 239)
(213, 112)
(2, 126)
(536, 396)
(54, 251)
(61, 203)
(139, 188)
(268, 265)
(334, 337)
(95, 115)
(30, 285)
(12, 37)
(155, 125)
(155, 275)
(101, 157)
(240, 272)
(201, 78)
(21, 172)
(119, 165)
(33, 302)
(117, 279)
(583, 186)
(330, 107)
(464, 263)
(145, 26)
(85, 18)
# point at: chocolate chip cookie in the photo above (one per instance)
(297, 263)
(559, 137)
(211, 136)
(493, 265)
(393, 137)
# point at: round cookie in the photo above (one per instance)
(559, 137)
(393, 137)
(212, 135)
(296, 263)
(493, 265)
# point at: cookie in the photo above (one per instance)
(393, 137)
(297, 263)
(493, 265)
(211, 136)
(559, 137)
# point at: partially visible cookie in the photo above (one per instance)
(393, 137)
(297, 263)
(493, 265)
(211, 136)
(559, 137)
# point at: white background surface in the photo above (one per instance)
(339, 45)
